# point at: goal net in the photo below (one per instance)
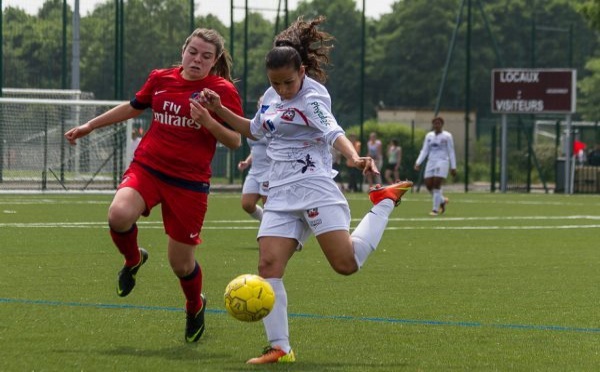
(35, 154)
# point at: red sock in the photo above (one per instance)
(192, 286)
(126, 243)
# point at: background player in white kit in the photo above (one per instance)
(256, 184)
(438, 149)
(303, 197)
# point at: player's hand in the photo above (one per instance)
(453, 172)
(366, 164)
(210, 99)
(198, 112)
(243, 165)
(417, 167)
(74, 133)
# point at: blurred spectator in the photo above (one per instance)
(579, 151)
(354, 174)
(594, 156)
(394, 158)
(375, 150)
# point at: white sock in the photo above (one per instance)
(276, 323)
(258, 213)
(436, 199)
(368, 233)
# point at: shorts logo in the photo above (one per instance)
(194, 235)
(312, 213)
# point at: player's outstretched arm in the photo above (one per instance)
(212, 101)
(117, 114)
(366, 163)
(229, 138)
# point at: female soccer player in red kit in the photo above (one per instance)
(171, 165)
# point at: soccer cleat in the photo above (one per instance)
(393, 192)
(273, 355)
(443, 206)
(433, 213)
(194, 324)
(126, 277)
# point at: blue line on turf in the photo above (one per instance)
(314, 316)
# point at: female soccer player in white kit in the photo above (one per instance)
(438, 149)
(303, 197)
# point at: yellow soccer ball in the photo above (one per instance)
(249, 298)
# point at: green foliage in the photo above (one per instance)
(589, 87)
(590, 9)
(405, 50)
(410, 140)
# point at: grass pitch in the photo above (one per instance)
(500, 282)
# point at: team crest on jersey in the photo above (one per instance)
(195, 96)
(312, 213)
(288, 115)
(307, 163)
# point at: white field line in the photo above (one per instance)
(253, 225)
(584, 200)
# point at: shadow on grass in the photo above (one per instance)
(184, 352)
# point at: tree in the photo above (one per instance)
(589, 86)
(344, 23)
(590, 9)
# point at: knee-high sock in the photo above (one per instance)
(258, 213)
(276, 323)
(368, 233)
(127, 244)
(192, 287)
(437, 199)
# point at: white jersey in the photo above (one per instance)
(438, 147)
(301, 129)
(260, 162)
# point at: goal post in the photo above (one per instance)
(35, 154)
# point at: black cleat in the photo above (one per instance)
(194, 325)
(126, 277)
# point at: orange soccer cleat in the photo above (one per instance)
(273, 355)
(393, 192)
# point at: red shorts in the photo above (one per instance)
(183, 210)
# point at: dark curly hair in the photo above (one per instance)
(302, 44)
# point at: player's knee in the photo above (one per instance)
(120, 219)
(345, 268)
(270, 269)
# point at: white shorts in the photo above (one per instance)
(296, 210)
(437, 168)
(300, 224)
(253, 186)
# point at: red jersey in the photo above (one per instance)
(175, 145)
